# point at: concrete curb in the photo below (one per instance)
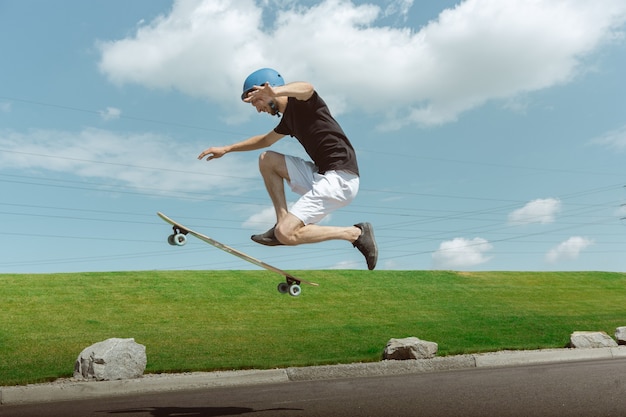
(67, 390)
(71, 389)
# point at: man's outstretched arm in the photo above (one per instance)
(250, 144)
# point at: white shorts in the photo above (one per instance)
(321, 194)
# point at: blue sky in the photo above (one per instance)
(491, 135)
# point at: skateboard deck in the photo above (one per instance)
(179, 238)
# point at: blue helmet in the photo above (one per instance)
(260, 77)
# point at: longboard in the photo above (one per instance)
(179, 238)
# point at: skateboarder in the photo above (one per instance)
(329, 182)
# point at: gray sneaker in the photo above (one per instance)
(268, 238)
(367, 244)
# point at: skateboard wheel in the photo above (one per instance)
(180, 239)
(170, 240)
(283, 288)
(294, 290)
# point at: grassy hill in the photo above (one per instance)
(215, 320)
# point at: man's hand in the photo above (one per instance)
(213, 153)
(258, 92)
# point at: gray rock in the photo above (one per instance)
(591, 340)
(111, 359)
(410, 348)
(620, 335)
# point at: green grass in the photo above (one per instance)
(216, 320)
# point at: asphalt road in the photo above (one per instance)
(594, 388)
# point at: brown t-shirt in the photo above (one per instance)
(319, 133)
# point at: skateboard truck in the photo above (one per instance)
(291, 286)
(179, 237)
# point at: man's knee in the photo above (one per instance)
(268, 159)
(287, 230)
(284, 236)
(271, 162)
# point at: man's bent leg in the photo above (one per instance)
(292, 231)
(274, 172)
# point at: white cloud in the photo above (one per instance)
(263, 219)
(401, 7)
(461, 253)
(478, 51)
(150, 162)
(542, 210)
(110, 113)
(201, 48)
(568, 250)
(615, 139)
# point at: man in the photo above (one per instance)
(330, 182)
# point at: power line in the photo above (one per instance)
(121, 116)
